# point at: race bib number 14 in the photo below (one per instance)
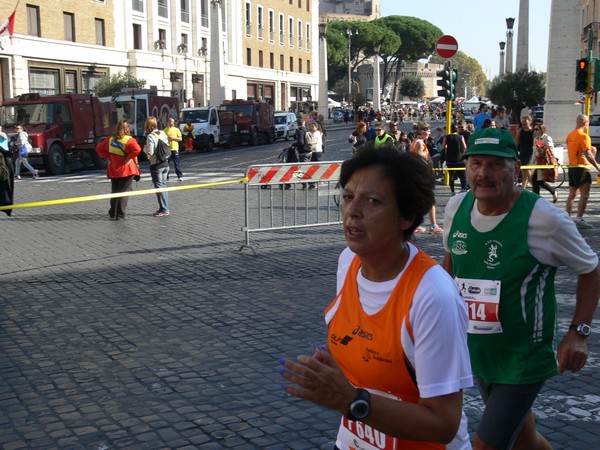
(483, 303)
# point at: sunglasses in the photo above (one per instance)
(378, 129)
(536, 129)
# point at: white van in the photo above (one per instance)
(595, 128)
(285, 125)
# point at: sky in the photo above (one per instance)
(479, 26)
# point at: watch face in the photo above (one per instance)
(584, 330)
(360, 408)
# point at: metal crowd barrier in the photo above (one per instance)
(290, 195)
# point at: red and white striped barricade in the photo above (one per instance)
(282, 196)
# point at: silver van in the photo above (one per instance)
(285, 125)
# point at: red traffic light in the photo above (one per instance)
(583, 64)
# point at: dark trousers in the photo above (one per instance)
(176, 163)
(536, 184)
(454, 174)
(118, 205)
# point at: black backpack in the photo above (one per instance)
(162, 150)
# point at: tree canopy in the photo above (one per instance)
(412, 87)
(517, 90)
(469, 72)
(110, 84)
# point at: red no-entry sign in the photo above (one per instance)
(446, 46)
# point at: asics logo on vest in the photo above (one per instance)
(458, 234)
(338, 340)
(363, 334)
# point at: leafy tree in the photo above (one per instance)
(517, 90)
(469, 72)
(417, 40)
(365, 35)
(111, 84)
(412, 87)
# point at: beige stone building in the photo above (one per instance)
(184, 48)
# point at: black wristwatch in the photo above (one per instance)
(582, 328)
(360, 407)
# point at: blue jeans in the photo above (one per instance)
(159, 180)
(176, 163)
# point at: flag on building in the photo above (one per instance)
(8, 26)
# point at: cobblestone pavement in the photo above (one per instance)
(158, 333)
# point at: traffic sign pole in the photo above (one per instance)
(446, 47)
(587, 107)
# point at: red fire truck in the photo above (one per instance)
(254, 119)
(64, 129)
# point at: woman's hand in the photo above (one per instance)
(319, 380)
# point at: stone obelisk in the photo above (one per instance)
(523, 37)
(564, 48)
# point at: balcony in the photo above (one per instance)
(593, 26)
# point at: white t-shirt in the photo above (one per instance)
(439, 320)
(552, 236)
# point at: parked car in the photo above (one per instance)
(468, 115)
(337, 116)
(285, 125)
(595, 128)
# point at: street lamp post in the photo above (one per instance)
(501, 71)
(510, 22)
(203, 51)
(350, 33)
(323, 98)
(376, 81)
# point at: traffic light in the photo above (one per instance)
(596, 74)
(582, 75)
(447, 82)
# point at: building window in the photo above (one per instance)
(163, 8)
(260, 58)
(300, 4)
(281, 29)
(291, 29)
(271, 26)
(100, 35)
(204, 13)
(248, 56)
(300, 41)
(259, 20)
(70, 82)
(308, 37)
(248, 19)
(291, 63)
(69, 26)
(137, 36)
(272, 60)
(137, 5)
(185, 11)
(89, 81)
(44, 81)
(33, 20)
(308, 5)
(300, 65)
(162, 37)
(308, 66)
(281, 62)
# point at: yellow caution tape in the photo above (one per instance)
(88, 198)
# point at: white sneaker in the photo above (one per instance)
(181, 179)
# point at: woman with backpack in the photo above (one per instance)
(156, 148)
(543, 154)
(121, 151)
(23, 149)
